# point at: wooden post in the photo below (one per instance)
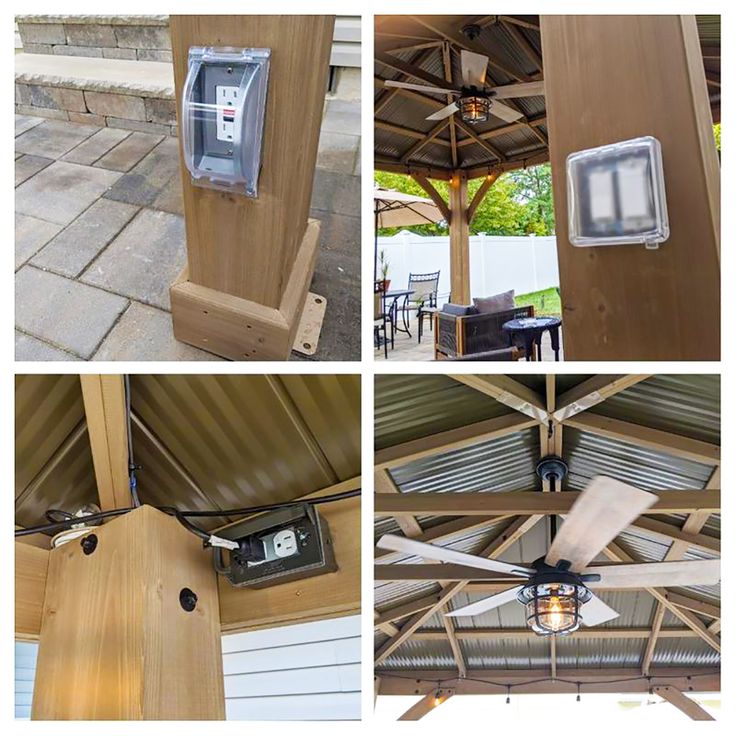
(250, 261)
(459, 240)
(613, 78)
(116, 643)
(104, 407)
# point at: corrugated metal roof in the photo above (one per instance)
(242, 440)
(410, 406)
(683, 404)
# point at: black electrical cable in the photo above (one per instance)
(180, 515)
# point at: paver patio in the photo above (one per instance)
(100, 236)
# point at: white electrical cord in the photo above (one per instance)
(215, 541)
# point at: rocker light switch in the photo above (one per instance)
(223, 112)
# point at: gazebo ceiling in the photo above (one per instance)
(409, 48)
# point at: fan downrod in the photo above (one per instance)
(552, 468)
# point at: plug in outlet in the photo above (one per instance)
(284, 543)
(227, 98)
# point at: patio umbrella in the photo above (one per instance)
(396, 209)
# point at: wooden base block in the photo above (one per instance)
(240, 329)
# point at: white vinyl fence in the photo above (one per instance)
(497, 263)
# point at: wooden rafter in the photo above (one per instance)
(457, 652)
(447, 68)
(390, 94)
(385, 484)
(593, 391)
(428, 703)
(410, 70)
(689, 707)
(507, 391)
(521, 41)
(452, 439)
(488, 182)
(428, 138)
(500, 543)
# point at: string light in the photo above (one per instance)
(578, 697)
(508, 694)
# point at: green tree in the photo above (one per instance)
(717, 134)
(518, 203)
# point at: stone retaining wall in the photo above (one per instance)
(147, 114)
(133, 37)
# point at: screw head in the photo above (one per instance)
(188, 599)
(88, 544)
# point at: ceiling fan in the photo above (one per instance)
(558, 593)
(475, 100)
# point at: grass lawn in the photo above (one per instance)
(546, 302)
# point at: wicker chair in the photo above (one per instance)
(460, 335)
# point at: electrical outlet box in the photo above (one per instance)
(277, 547)
(223, 111)
(616, 195)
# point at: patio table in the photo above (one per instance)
(393, 308)
(531, 330)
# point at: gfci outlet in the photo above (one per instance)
(277, 547)
(227, 101)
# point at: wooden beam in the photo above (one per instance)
(410, 70)
(653, 439)
(452, 439)
(383, 483)
(31, 568)
(507, 391)
(428, 703)
(529, 502)
(653, 635)
(435, 196)
(498, 546)
(406, 609)
(693, 604)
(669, 532)
(449, 99)
(526, 633)
(428, 138)
(593, 391)
(521, 41)
(457, 652)
(459, 240)
(444, 531)
(408, 132)
(40, 540)
(323, 596)
(104, 406)
(689, 707)
(116, 643)
(390, 94)
(529, 681)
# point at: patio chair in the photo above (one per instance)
(462, 331)
(380, 320)
(424, 298)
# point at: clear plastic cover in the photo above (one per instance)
(616, 195)
(223, 110)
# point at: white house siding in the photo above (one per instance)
(296, 673)
(25, 671)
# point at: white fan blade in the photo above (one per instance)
(674, 573)
(525, 89)
(487, 604)
(445, 112)
(595, 612)
(506, 113)
(473, 68)
(604, 509)
(420, 87)
(442, 554)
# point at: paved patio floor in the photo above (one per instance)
(99, 237)
(409, 348)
